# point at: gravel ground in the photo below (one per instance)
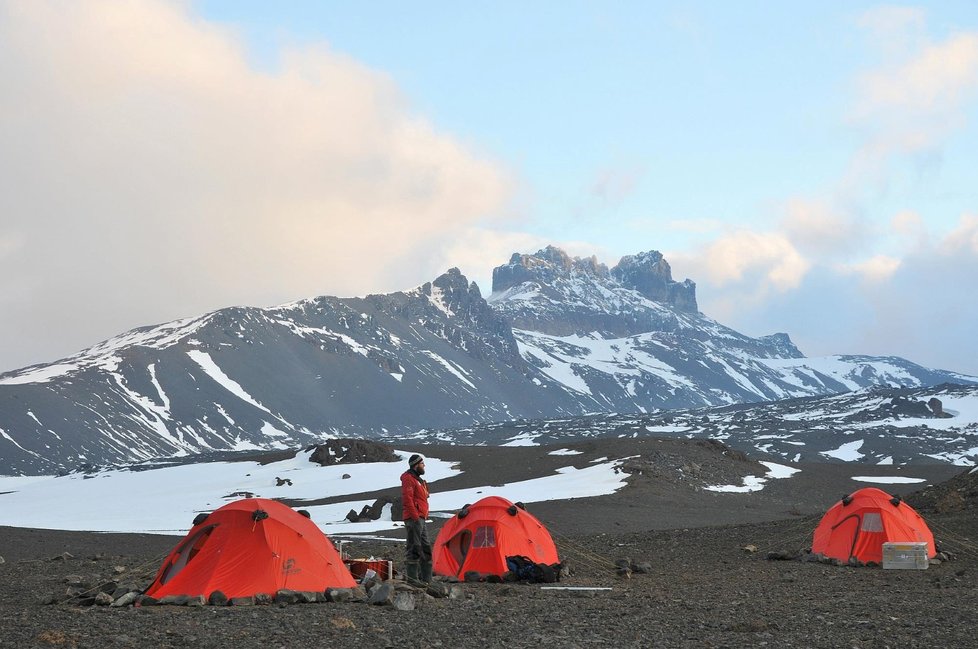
(704, 589)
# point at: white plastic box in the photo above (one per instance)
(905, 556)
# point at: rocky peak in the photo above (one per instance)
(453, 293)
(544, 267)
(781, 346)
(650, 274)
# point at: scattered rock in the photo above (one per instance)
(217, 598)
(339, 595)
(287, 597)
(126, 600)
(780, 556)
(381, 595)
(404, 601)
(103, 599)
(641, 567)
(749, 548)
(242, 601)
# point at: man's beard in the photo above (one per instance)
(419, 469)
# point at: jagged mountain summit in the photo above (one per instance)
(558, 337)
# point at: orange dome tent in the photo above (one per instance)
(858, 525)
(480, 537)
(251, 546)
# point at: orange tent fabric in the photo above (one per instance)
(480, 537)
(251, 546)
(859, 525)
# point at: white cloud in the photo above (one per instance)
(933, 81)
(151, 173)
(909, 105)
(876, 269)
(820, 229)
(739, 254)
(963, 239)
(741, 271)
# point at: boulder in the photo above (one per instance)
(641, 567)
(103, 599)
(404, 601)
(285, 596)
(338, 595)
(125, 600)
(382, 595)
(217, 598)
(351, 451)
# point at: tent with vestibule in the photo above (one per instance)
(248, 547)
(857, 526)
(481, 536)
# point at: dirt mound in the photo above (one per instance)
(960, 493)
(351, 451)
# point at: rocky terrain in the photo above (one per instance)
(707, 582)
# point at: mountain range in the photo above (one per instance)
(558, 337)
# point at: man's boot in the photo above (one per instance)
(411, 570)
(425, 575)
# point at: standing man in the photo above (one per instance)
(414, 494)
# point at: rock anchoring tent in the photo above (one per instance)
(857, 526)
(251, 546)
(480, 537)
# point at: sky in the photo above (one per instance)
(814, 169)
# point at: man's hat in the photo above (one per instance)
(415, 459)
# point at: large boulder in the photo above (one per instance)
(351, 451)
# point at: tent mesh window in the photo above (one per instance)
(872, 522)
(485, 537)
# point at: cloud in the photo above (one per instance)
(820, 229)
(741, 270)
(910, 104)
(932, 82)
(150, 173)
(894, 30)
(963, 239)
(874, 270)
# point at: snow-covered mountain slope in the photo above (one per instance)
(632, 340)
(559, 337)
(884, 426)
(243, 378)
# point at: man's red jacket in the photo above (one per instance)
(414, 494)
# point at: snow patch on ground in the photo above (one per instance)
(756, 483)
(848, 452)
(882, 479)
